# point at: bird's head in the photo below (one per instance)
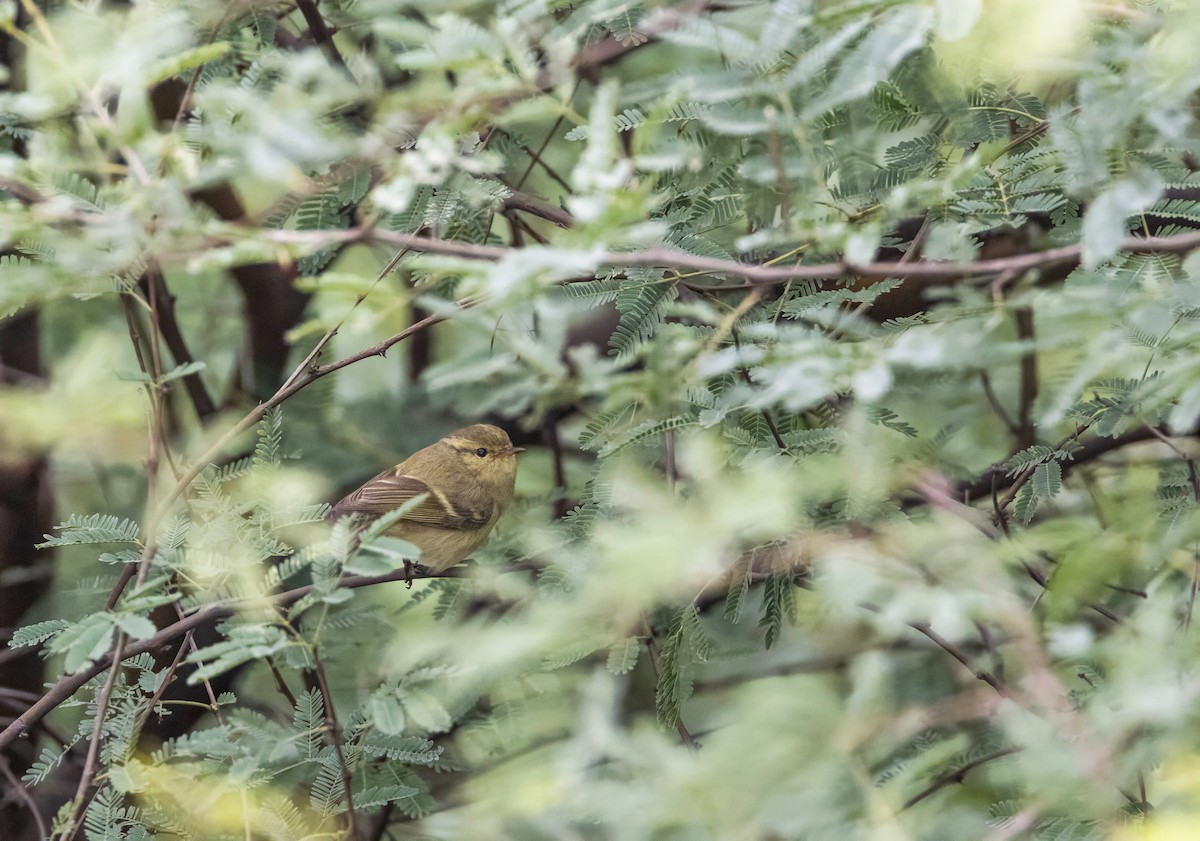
(487, 452)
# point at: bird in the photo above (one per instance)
(468, 478)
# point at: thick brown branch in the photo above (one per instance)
(1026, 434)
(168, 325)
(320, 32)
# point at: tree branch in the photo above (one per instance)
(539, 207)
(670, 258)
(320, 32)
(202, 402)
(1088, 451)
(1026, 434)
(335, 734)
(957, 776)
(68, 685)
(23, 793)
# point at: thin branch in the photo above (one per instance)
(996, 405)
(1193, 478)
(23, 793)
(335, 732)
(957, 776)
(1089, 451)
(93, 755)
(545, 142)
(168, 677)
(685, 735)
(955, 652)
(663, 257)
(281, 684)
(539, 207)
(191, 85)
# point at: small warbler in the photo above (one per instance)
(468, 477)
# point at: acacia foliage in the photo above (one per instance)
(833, 544)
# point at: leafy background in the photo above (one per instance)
(850, 342)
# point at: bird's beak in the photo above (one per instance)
(515, 450)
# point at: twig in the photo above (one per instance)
(955, 652)
(280, 683)
(766, 415)
(93, 754)
(168, 677)
(536, 156)
(539, 207)
(517, 221)
(1025, 475)
(335, 733)
(685, 735)
(191, 85)
(1193, 478)
(957, 776)
(549, 170)
(996, 405)
(15, 785)
(1089, 451)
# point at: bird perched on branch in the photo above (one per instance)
(467, 479)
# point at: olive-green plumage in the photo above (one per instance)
(468, 477)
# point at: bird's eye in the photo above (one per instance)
(481, 452)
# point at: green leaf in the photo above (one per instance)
(1105, 225)
(1047, 480)
(243, 644)
(84, 642)
(739, 586)
(369, 798)
(308, 717)
(184, 61)
(97, 528)
(642, 304)
(426, 711)
(184, 370)
(270, 438)
(895, 34)
(623, 656)
(386, 713)
(778, 603)
(138, 627)
(36, 633)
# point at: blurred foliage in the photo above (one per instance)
(847, 558)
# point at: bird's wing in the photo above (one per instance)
(390, 489)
